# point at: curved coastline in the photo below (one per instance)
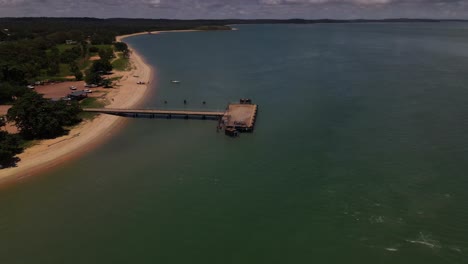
(88, 135)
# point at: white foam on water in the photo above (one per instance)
(425, 240)
(377, 219)
(391, 249)
(456, 249)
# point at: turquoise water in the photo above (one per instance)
(360, 155)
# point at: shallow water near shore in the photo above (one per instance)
(359, 156)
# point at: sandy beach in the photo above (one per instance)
(48, 154)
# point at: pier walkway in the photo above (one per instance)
(238, 117)
(155, 113)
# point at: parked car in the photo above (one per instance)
(72, 87)
(31, 86)
(88, 90)
(90, 85)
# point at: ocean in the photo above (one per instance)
(359, 155)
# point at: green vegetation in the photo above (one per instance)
(122, 63)
(8, 91)
(97, 70)
(116, 78)
(91, 102)
(86, 64)
(101, 47)
(39, 118)
(64, 70)
(121, 46)
(63, 47)
(24, 144)
(214, 27)
(9, 147)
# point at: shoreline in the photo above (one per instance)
(89, 134)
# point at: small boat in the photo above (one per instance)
(175, 81)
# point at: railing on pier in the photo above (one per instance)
(157, 113)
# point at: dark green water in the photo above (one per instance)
(360, 155)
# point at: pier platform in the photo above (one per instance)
(240, 117)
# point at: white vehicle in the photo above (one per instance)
(88, 90)
(72, 87)
(31, 86)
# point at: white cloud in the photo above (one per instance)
(190, 9)
(153, 2)
(11, 2)
(286, 2)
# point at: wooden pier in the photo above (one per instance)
(239, 117)
(153, 113)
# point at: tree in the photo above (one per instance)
(70, 55)
(121, 46)
(78, 75)
(9, 147)
(8, 91)
(76, 71)
(54, 68)
(54, 62)
(73, 66)
(12, 74)
(2, 121)
(37, 117)
(93, 49)
(93, 77)
(101, 66)
(106, 83)
(106, 54)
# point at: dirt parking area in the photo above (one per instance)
(58, 90)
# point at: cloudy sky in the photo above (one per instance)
(343, 9)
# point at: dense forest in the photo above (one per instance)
(103, 30)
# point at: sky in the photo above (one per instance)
(219, 9)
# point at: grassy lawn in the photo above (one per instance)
(50, 78)
(116, 78)
(83, 65)
(28, 143)
(64, 47)
(102, 46)
(64, 70)
(121, 63)
(91, 102)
